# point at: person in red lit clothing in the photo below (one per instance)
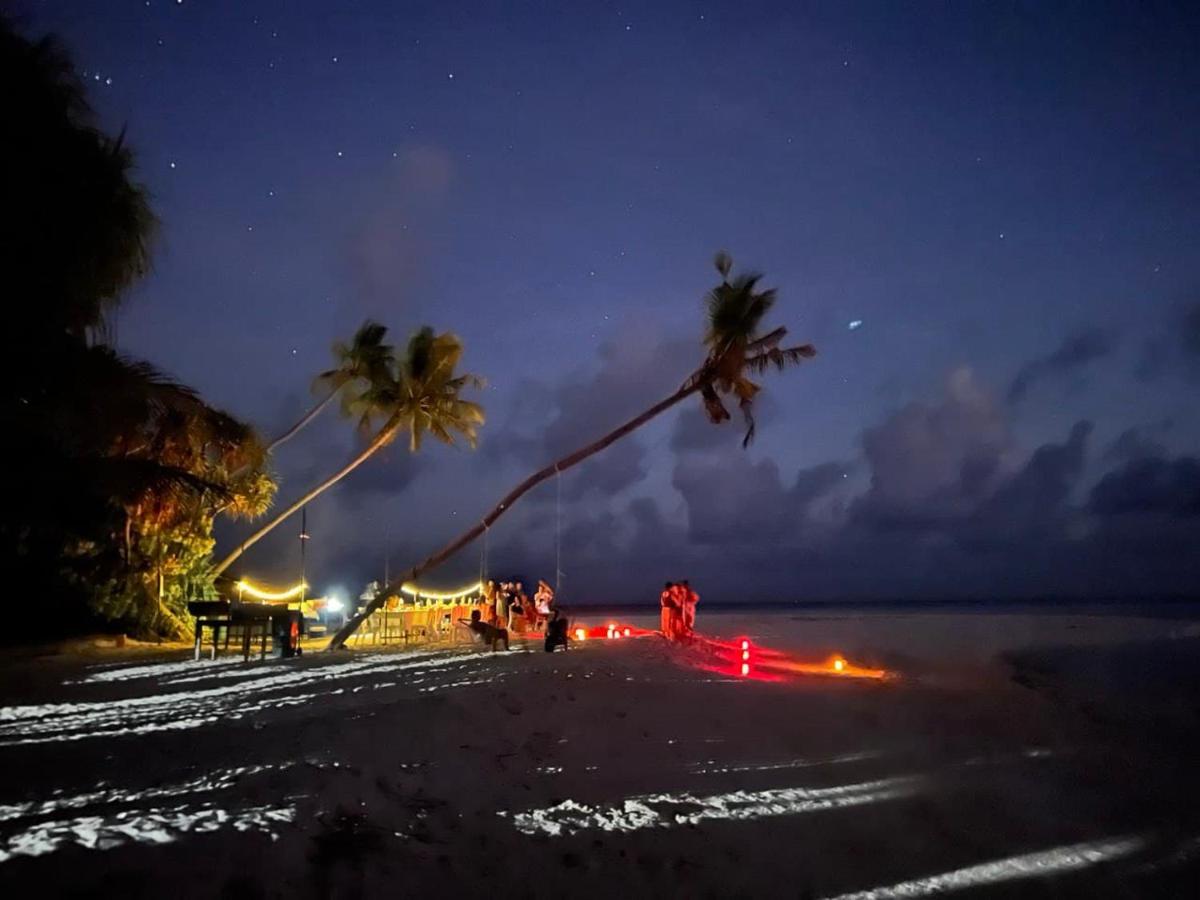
(678, 600)
(667, 616)
(687, 608)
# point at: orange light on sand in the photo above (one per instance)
(580, 634)
(837, 666)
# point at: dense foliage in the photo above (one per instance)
(115, 471)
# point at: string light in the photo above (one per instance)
(247, 588)
(413, 591)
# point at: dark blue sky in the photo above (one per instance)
(1006, 195)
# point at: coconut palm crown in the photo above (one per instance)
(736, 346)
(421, 394)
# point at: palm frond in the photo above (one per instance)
(780, 358)
(713, 407)
(747, 407)
(767, 341)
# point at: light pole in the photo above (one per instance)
(303, 541)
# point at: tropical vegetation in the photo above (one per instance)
(116, 470)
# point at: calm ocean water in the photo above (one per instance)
(941, 634)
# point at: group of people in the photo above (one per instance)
(678, 610)
(504, 606)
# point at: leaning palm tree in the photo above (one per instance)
(364, 361)
(422, 396)
(736, 349)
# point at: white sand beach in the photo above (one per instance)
(1014, 755)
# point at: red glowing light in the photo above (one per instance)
(745, 645)
(626, 632)
(745, 668)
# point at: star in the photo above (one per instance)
(855, 324)
(172, 165)
(451, 76)
(339, 154)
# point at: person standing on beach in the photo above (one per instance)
(502, 602)
(543, 603)
(688, 608)
(667, 617)
(488, 602)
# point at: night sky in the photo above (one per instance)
(1006, 197)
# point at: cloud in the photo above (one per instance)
(731, 500)
(934, 461)
(1150, 486)
(1075, 352)
(1037, 493)
(953, 505)
(1135, 443)
(635, 370)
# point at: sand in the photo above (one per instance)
(1016, 755)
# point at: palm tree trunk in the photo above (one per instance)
(572, 459)
(385, 434)
(305, 419)
(291, 432)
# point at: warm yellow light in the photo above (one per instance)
(246, 587)
(413, 591)
(580, 634)
(839, 664)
